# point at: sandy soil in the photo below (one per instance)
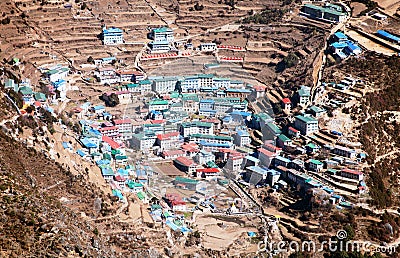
(358, 8)
(218, 238)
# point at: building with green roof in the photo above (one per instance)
(162, 34)
(40, 97)
(329, 13)
(315, 165)
(185, 183)
(134, 186)
(158, 105)
(210, 138)
(10, 84)
(26, 92)
(306, 124)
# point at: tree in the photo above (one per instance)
(111, 101)
(90, 59)
(198, 7)
(6, 21)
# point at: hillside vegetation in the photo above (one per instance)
(379, 123)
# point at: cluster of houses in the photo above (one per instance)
(342, 47)
(162, 41)
(54, 88)
(220, 132)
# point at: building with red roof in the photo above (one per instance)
(286, 104)
(268, 145)
(168, 141)
(185, 164)
(110, 131)
(113, 144)
(207, 172)
(190, 149)
(176, 202)
(124, 126)
(172, 154)
(126, 76)
(265, 156)
(293, 132)
(352, 174)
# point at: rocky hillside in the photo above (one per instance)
(41, 207)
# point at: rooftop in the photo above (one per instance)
(306, 119)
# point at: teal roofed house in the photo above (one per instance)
(185, 183)
(283, 140)
(158, 105)
(162, 34)
(189, 96)
(134, 186)
(315, 165)
(144, 82)
(107, 173)
(112, 36)
(316, 111)
(107, 156)
(210, 138)
(330, 12)
(40, 97)
(26, 91)
(270, 131)
(303, 95)
(312, 148)
(306, 124)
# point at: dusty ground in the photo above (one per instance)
(390, 6)
(358, 8)
(219, 237)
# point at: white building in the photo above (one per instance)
(158, 105)
(206, 47)
(124, 127)
(188, 128)
(203, 157)
(168, 141)
(162, 34)
(306, 124)
(164, 84)
(242, 138)
(112, 36)
(57, 73)
(143, 142)
(159, 46)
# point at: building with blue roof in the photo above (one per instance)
(273, 177)
(241, 138)
(207, 112)
(256, 175)
(281, 161)
(386, 35)
(339, 37)
(112, 36)
(81, 153)
(352, 49)
(214, 146)
(342, 47)
(89, 144)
